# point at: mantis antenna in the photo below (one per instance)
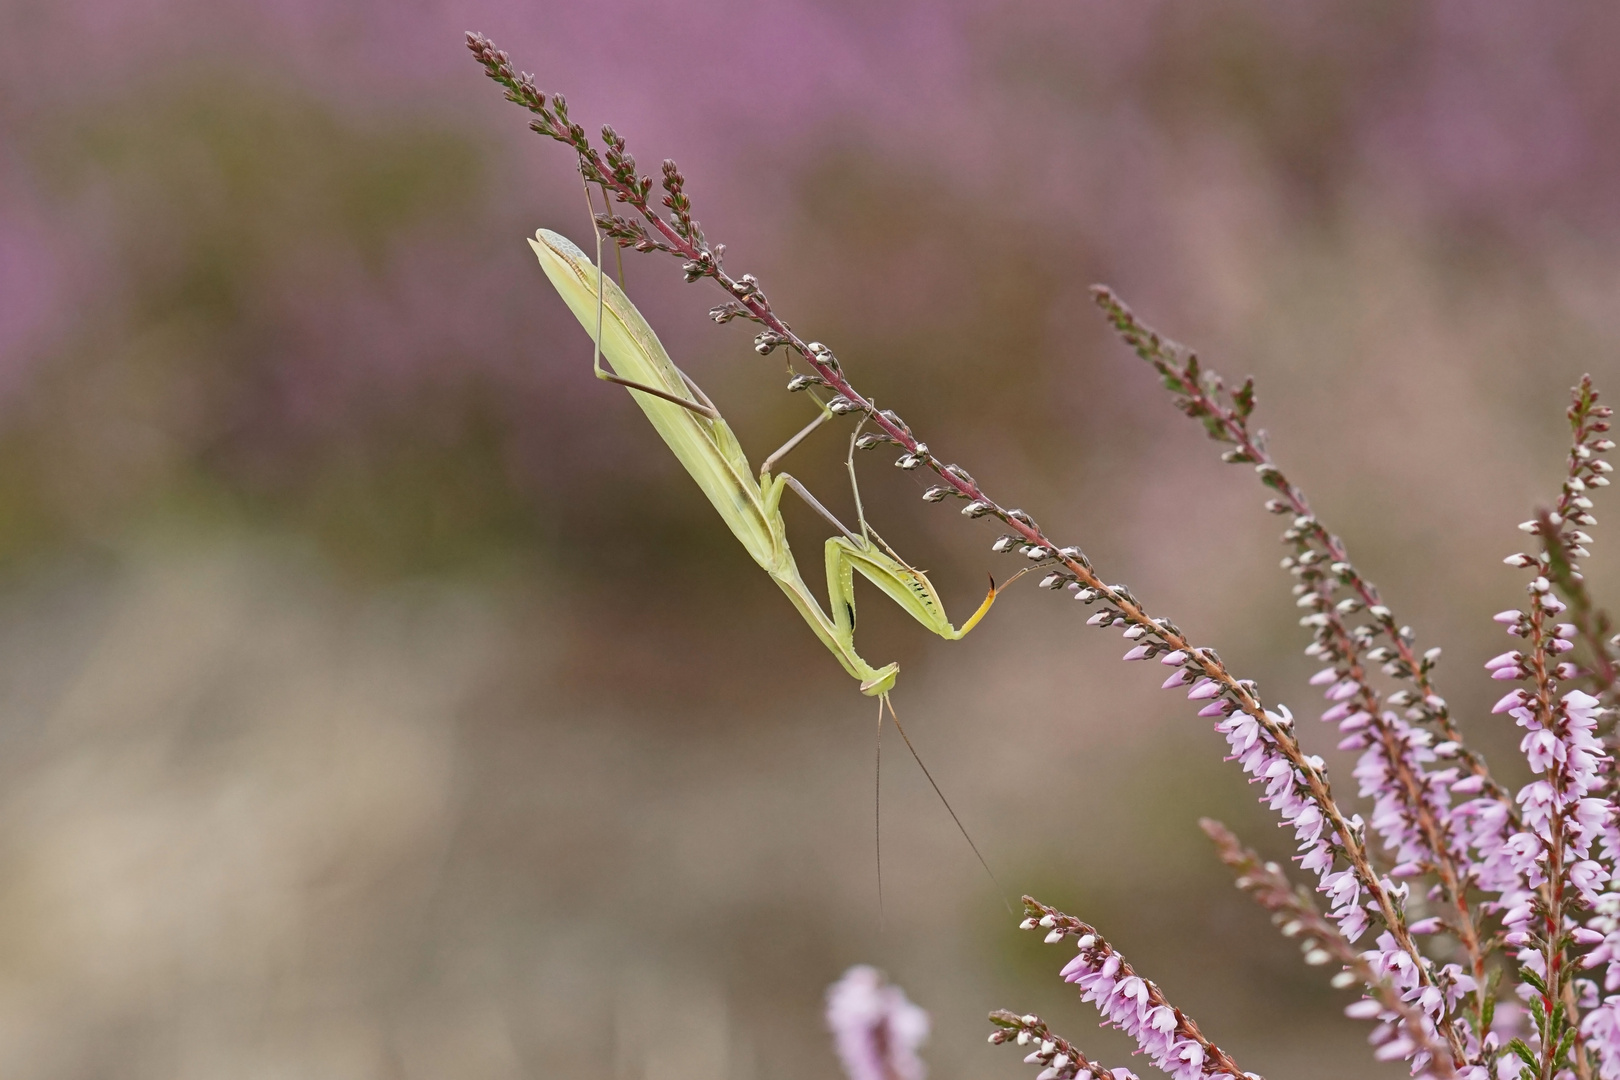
(885, 702)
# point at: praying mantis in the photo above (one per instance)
(751, 507)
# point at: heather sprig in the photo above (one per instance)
(1126, 1001)
(1592, 624)
(1562, 547)
(1411, 805)
(1320, 559)
(1405, 1031)
(1558, 864)
(1057, 1056)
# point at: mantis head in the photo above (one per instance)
(882, 682)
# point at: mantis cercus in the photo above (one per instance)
(704, 443)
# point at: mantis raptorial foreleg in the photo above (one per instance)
(751, 506)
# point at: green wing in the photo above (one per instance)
(706, 447)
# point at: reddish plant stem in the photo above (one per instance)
(1235, 430)
(1229, 423)
(1552, 891)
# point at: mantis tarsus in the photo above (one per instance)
(703, 442)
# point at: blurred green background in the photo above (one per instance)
(378, 698)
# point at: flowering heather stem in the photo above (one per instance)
(1412, 811)
(1561, 549)
(1553, 1014)
(1592, 624)
(1296, 914)
(1201, 390)
(1060, 1058)
(1129, 1002)
(1546, 872)
(1297, 783)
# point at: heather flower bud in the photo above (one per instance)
(801, 382)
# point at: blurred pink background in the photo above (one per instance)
(378, 699)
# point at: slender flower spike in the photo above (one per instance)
(1131, 1003)
(875, 1029)
(1058, 1057)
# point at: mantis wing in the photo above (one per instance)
(707, 448)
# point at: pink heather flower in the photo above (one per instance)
(1204, 688)
(1562, 748)
(1511, 699)
(1600, 1028)
(876, 1030)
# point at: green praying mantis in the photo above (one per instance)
(751, 507)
